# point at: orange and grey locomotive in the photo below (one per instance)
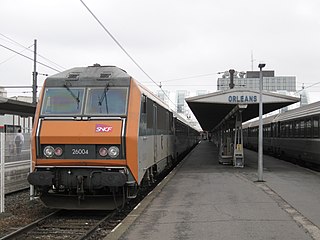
(98, 136)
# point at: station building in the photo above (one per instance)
(250, 80)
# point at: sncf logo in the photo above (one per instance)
(103, 128)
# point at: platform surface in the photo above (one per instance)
(206, 200)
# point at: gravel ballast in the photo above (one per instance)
(20, 211)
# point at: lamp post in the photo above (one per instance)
(260, 149)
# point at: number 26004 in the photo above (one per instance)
(80, 151)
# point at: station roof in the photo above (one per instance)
(211, 109)
(10, 106)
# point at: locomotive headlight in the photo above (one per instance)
(113, 151)
(58, 151)
(48, 151)
(103, 151)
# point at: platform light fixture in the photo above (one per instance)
(260, 148)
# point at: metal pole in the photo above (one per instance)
(34, 83)
(2, 153)
(32, 192)
(260, 149)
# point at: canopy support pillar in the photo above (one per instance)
(238, 154)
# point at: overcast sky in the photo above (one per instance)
(169, 39)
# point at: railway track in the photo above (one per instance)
(80, 224)
(63, 225)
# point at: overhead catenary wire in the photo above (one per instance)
(190, 77)
(45, 65)
(124, 50)
(312, 85)
(11, 40)
(118, 43)
(188, 85)
(28, 48)
(13, 56)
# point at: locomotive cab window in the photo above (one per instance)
(63, 101)
(107, 101)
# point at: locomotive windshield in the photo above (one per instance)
(63, 101)
(71, 101)
(106, 101)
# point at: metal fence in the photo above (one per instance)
(15, 164)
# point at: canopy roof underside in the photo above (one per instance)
(10, 106)
(210, 109)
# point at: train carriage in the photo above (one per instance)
(293, 135)
(98, 136)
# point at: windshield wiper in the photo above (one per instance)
(104, 97)
(77, 98)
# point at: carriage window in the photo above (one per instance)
(143, 116)
(150, 115)
(274, 130)
(291, 129)
(107, 101)
(308, 128)
(302, 128)
(316, 127)
(143, 104)
(296, 129)
(282, 130)
(287, 129)
(268, 131)
(62, 101)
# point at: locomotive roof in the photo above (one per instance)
(96, 72)
(92, 71)
(300, 112)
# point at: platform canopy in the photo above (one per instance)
(10, 106)
(211, 109)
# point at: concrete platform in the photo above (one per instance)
(202, 199)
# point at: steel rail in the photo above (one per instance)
(29, 227)
(94, 228)
(62, 224)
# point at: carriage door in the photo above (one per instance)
(155, 136)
